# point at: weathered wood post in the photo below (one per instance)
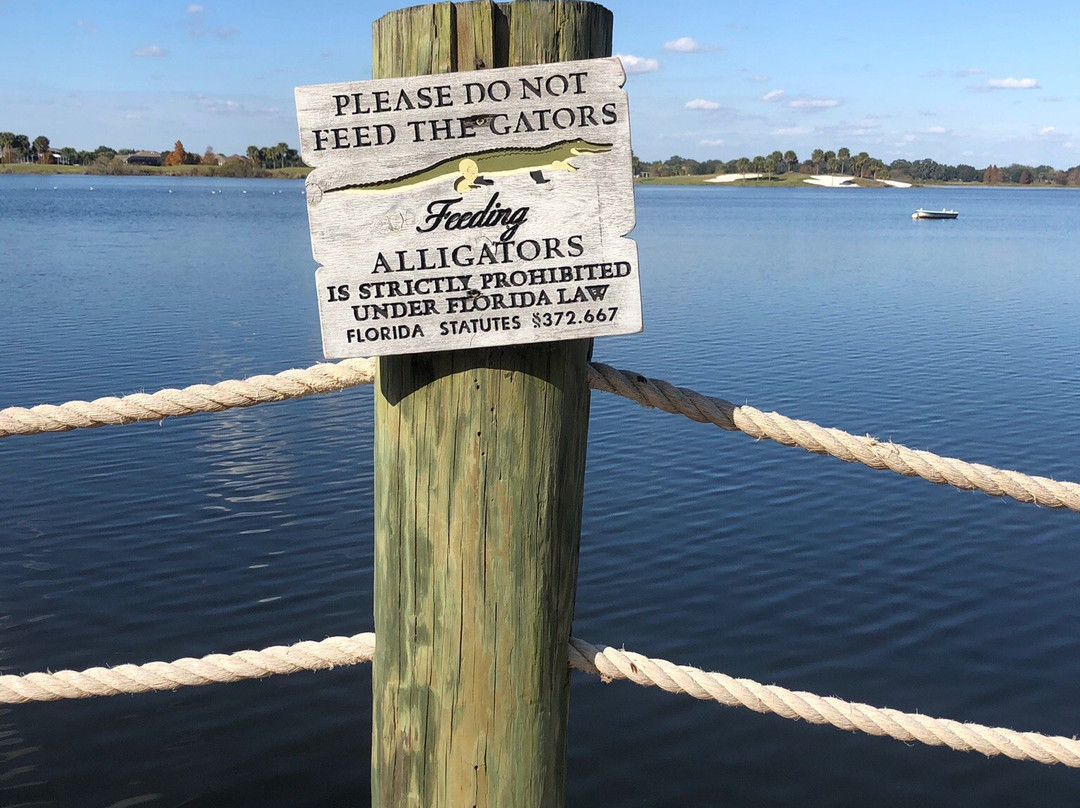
(479, 466)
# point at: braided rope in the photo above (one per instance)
(841, 445)
(328, 377)
(212, 669)
(295, 383)
(609, 663)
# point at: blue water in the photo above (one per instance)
(253, 527)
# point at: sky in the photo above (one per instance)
(958, 82)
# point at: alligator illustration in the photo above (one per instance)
(473, 170)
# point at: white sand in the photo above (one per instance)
(832, 181)
(733, 177)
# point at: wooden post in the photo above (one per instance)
(479, 468)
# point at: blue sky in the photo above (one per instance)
(959, 82)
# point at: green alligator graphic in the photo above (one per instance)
(473, 170)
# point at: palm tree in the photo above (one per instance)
(829, 157)
(791, 160)
(816, 158)
(6, 139)
(742, 165)
(20, 147)
(770, 164)
(843, 155)
(41, 149)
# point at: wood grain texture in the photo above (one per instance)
(479, 459)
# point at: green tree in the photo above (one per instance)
(675, 165)
(742, 165)
(791, 160)
(843, 154)
(6, 139)
(817, 157)
(42, 150)
(102, 152)
(20, 148)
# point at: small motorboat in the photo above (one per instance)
(935, 214)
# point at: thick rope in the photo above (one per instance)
(213, 669)
(295, 383)
(820, 440)
(326, 377)
(609, 663)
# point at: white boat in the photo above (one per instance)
(935, 214)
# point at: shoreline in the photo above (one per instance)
(797, 181)
(789, 180)
(32, 169)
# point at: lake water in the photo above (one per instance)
(254, 527)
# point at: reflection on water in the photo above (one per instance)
(253, 527)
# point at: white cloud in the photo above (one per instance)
(936, 130)
(195, 9)
(1047, 130)
(701, 103)
(968, 71)
(227, 106)
(773, 95)
(683, 44)
(813, 103)
(792, 130)
(758, 79)
(1012, 84)
(717, 142)
(908, 138)
(637, 64)
(149, 52)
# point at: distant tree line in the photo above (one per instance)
(16, 148)
(842, 161)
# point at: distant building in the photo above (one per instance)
(144, 158)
